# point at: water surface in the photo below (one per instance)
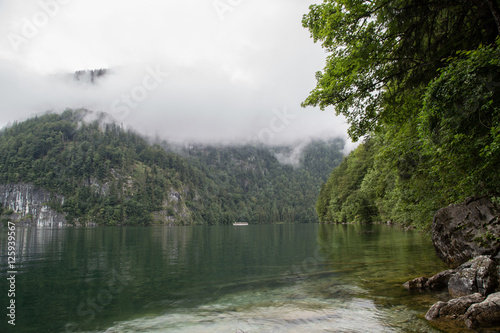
(257, 278)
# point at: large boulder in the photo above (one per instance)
(454, 308)
(479, 275)
(486, 313)
(464, 231)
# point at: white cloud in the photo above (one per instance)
(226, 78)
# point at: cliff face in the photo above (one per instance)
(175, 211)
(30, 205)
(461, 232)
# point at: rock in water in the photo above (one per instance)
(486, 313)
(440, 280)
(437, 282)
(464, 231)
(478, 275)
(417, 284)
(453, 308)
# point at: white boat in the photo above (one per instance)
(240, 223)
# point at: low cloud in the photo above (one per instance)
(177, 73)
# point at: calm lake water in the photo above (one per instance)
(257, 278)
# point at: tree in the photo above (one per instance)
(383, 51)
(459, 124)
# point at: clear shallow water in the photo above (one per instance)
(267, 278)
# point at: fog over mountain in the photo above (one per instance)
(209, 71)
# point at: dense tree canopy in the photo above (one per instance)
(378, 50)
(459, 125)
(421, 82)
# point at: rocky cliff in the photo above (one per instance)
(461, 232)
(30, 205)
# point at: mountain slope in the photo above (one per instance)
(254, 186)
(97, 172)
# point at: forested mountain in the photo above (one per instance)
(98, 172)
(420, 83)
(250, 184)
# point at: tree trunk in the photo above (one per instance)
(495, 11)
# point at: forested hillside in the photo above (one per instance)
(111, 176)
(250, 184)
(107, 175)
(419, 82)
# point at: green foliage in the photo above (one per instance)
(343, 199)
(459, 124)
(249, 183)
(319, 157)
(422, 79)
(380, 50)
(379, 181)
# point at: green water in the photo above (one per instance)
(262, 278)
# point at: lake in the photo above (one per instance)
(256, 278)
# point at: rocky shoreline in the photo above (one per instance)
(467, 238)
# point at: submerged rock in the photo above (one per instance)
(464, 231)
(453, 308)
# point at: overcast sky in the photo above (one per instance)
(202, 70)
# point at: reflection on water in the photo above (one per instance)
(269, 278)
